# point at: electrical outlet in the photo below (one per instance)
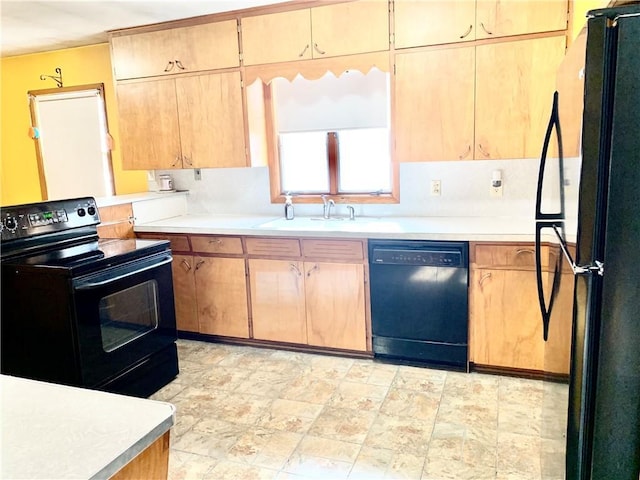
(435, 188)
(197, 174)
(495, 191)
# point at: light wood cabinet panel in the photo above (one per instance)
(278, 300)
(557, 355)
(176, 50)
(276, 37)
(221, 291)
(420, 22)
(512, 256)
(325, 31)
(499, 18)
(217, 244)
(570, 87)
(184, 292)
(338, 250)
(273, 247)
(187, 122)
(434, 103)
(507, 326)
(335, 305)
(211, 120)
(149, 130)
(349, 28)
(116, 221)
(151, 463)
(515, 82)
(179, 243)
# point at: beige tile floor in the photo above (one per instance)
(252, 413)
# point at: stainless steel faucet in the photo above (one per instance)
(352, 212)
(326, 211)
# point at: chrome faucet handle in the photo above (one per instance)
(352, 212)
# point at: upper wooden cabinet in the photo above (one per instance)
(186, 122)
(177, 50)
(515, 82)
(418, 22)
(434, 102)
(500, 18)
(491, 101)
(325, 31)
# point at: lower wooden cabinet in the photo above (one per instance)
(221, 294)
(505, 320)
(319, 303)
(334, 295)
(278, 300)
(184, 292)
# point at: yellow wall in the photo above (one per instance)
(80, 66)
(580, 9)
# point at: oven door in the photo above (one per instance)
(124, 314)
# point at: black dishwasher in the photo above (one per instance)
(419, 302)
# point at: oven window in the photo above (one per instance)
(128, 314)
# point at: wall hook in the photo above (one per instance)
(55, 78)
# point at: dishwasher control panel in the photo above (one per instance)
(431, 258)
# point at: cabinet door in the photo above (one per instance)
(221, 290)
(499, 18)
(515, 82)
(184, 292)
(149, 125)
(335, 305)
(211, 120)
(142, 54)
(176, 50)
(277, 300)
(277, 37)
(557, 355)
(434, 94)
(420, 22)
(506, 323)
(351, 27)
(206, 47)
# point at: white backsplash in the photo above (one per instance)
(465, 190)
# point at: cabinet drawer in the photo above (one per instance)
(216, 244)
(179, 243)
(517, 256)
(333, 249)
(273, 247)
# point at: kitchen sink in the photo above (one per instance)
(334, 224)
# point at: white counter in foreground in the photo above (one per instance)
(55, 431)
(503, 229)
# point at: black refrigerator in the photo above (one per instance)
(603, 415)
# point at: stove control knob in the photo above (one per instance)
(81, 212)
(11, 224)
(91, 210)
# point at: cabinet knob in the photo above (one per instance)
(169, 66)
(187, 160)
(483, 151)
(301, 54)
(186, 264)
(466, 153)
(467, 32)
(315, 267)
(485, 29)
(216, 241)
(483, 278)
(178, 160)
(295, 268)
(199, 264)
(179, 65)
(315, 47)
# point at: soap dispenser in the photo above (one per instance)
(288, 207)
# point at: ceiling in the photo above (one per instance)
(31, 26)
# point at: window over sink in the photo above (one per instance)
(325, 136)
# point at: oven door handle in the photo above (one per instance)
(92, 285)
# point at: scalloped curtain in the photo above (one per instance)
(314, 69)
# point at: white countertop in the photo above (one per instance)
(55, 431)
(504, 229)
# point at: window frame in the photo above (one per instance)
(273, 163)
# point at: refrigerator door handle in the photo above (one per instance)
(545, 310)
